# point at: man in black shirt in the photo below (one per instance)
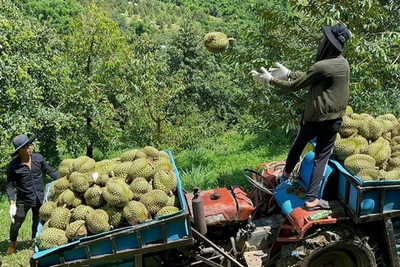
(24, 173)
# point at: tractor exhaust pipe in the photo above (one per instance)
(198, 212)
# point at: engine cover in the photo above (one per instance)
(222, 206)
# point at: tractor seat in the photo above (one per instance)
(287, 200)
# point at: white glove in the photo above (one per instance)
(281, 72)
(262, 77)
(13, 211)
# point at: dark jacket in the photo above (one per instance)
(328, 94)
(29, 182)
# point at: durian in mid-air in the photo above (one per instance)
(216, 42)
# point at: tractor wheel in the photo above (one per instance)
(331, 246)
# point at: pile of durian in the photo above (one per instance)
(368, 146)
(94, 197)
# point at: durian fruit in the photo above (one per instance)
(163, 164)
(142, 167)
(69, 198)
(66, 167)
(84, 164)
(117, 194)
(166, 211)
(50, 238)
(216, 42)
(371, 129)
(93, 196)
(362, 143)
(349, 127)
(395, 141)
(46, 225)
(122, 169)
(173, 201)
(79, 182)
(105, 166)
(151, 152)
(393, 163)
(60, 185)
(387, 125)
(115, 216)
(139, 187)
(97, 221)
(357, 162)
(60, 218)
(100, 178)
(154, 200)
(165, 180)
(370, 175)
(129, 155)
(135, 212)
(392, 174)
(76, 230)
(345, 147)
(46, 209)
(380, 151)
(80, 212)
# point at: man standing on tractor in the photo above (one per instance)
(25, 173)
(328, 95)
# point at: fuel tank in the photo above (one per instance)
(223, 205)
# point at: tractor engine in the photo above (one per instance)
(224, 216)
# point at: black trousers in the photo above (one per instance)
(19, 218)
(325, 134)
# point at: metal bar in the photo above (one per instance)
(200, 258)
(389, 237)
(209, 242)
(139, 260)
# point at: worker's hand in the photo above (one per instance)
(262, 77)
(13, 211)
(280, 72)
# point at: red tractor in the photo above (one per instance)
(269, 227)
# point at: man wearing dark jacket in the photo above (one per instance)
(328, 95)
(24, 173)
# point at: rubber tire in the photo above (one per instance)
(344, 240)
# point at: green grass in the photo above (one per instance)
(22, 255)
(219, 162)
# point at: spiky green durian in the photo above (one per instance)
(142, 167)
(105, 166)
(392, 174)
(93, 196)
(370, 175)
(60, 218)
(151, 152)
(122, 169)
(173, 201)
(357, 162)
(135, 212)
(50, 238)
(66, 167)
(129, 155)
(97, 221)
(46, 209)
(79, 182)
(100, 178)
(76, 230)
(349, 127)
(165, 180)
(371, 129)
(61, 184)
(84, 164)
(163, 164)
(216, 42)
(166, 211)
(80, 212)
(117, 194)
(69, 198)
(345, 147)
(115, 215)
(393, 163)
(154, 200)
(380, 151)
(349, 110)
(139, 187)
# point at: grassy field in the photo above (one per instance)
(216, 163)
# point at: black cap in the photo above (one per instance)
(337, 35)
